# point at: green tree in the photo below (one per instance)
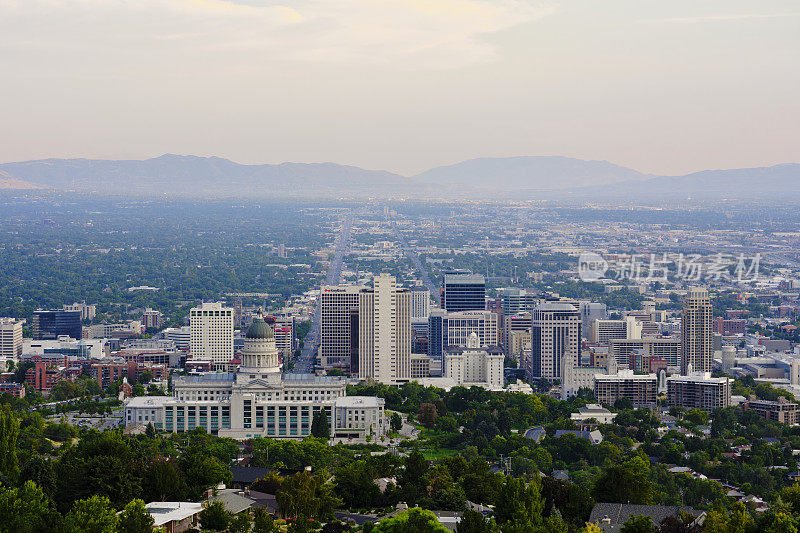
(638, 524)
(396, 422)
(164, 482)
(777, 522)
(305, 495)
(320, 428)
(413, 478)
(9, 431)
(92, 515)
(27, 510)
(519, 505)
(791, 496)
(39, 470)
(475, 522)
(240, 523)
(628, 482)
(414, 520)
(105, 464)
(262, 521)
(215, 516)
(135, 518)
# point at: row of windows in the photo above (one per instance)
(224, 312)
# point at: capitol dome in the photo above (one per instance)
(260, 355)
(259, 329)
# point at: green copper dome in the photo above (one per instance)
(259, 330)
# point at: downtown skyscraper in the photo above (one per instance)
(697, 332)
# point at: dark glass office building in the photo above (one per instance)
(52, 324)
(464, 292)
(436, 332)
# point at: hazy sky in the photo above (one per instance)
(663, 86)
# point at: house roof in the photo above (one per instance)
(251, 474)
(165, 512)
(233, 502)
(618, 513)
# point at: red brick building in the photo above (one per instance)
(43, 376)
(730, 326)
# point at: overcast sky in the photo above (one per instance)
(661, 86)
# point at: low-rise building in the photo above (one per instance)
(641, 389)
(699, 390)
(43, 376)
(14, 389)
(358, 417)
(593, 411)
(781, 410)
(144, 410)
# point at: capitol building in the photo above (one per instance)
(259, 400)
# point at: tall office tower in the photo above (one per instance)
(463, 292)
(555, 340)
(53, 324)
(87, 311)
(517, 300)
(152, 319)
(384, 336)
(520, 322)
(459, 326)
(420, 302)
(10, 340)
(211, 327)
(283, 333)
(591, 311)
(697, 332)
(337, 305)
(436, 334)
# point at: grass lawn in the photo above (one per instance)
(434, 455)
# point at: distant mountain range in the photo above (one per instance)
(547, 177)
(7, 181)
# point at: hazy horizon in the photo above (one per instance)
(403, 85)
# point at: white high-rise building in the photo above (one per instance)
(697, 333)
(211, 327)
(474, 366)
(420, 302)
(339, 308)
(10, 340)
(604, 331)
(384, 331)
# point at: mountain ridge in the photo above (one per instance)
(520, 177)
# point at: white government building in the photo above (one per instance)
(259, 400)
